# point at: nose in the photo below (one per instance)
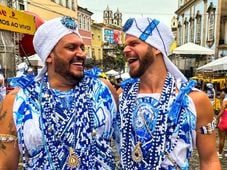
(126, 50)
(81, 53)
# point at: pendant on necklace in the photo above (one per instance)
(137, 154)
(74, 160)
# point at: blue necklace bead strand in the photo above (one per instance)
(64, 126)
(93, 149)
(158, 137)
(29, 87)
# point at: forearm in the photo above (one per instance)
(9, 155)
(210, 165)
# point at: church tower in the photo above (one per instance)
(108, 16)
(117, 18)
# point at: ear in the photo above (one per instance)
(50, 58)
(157, 51)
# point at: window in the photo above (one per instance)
(73, 5)
(198, 28)
(179, 37)
(67, 3)
(211, 23)
(192, 32)
(60, 2)
(9, 3)
(80, 20)
(99, 55)
(185, 31)
(21, 5)
(88, 24)
(93, 53)
(84, 22)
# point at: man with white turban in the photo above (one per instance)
(162, 115)
(64, 117)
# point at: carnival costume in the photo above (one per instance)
(65, 130)
(158, 130)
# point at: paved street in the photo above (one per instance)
(194, 163)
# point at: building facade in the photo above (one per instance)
(84, 20)
(202, 22)
(97, 43)
(13, 25)
(48, 9)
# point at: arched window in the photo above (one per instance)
(80, 20)
(67, 3)
(192, 32)
(84, 22)
(185, 31)
(211, 25)
(179, 36)
(73, 5)
(88, 24)
(198, 27)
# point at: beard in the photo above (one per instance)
(144, 64)
(63, 69)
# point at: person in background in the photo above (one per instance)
(63, 118)
(222, 96)
(222, 127)
(162, 116)
(22, 69)
(2, 86)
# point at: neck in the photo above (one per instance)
(60, 83)
(152, 82)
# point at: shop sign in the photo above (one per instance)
(16, 21)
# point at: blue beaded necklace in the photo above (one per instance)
(157, 144)
(62, 127)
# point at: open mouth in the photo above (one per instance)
(132, 60)
(77, 62)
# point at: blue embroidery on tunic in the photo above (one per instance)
(51, 153)
(168, 135)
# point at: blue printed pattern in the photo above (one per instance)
(152, 120)
(69, 121)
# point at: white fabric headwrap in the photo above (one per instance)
(157, 35)
(49, 34)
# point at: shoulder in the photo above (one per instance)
(111, 88)
(10, 97)
(6, 113)
(199, 97)
(204, 108)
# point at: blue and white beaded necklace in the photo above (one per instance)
(62, 127)
(156, 152)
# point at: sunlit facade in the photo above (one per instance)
(202, 22)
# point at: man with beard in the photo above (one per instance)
(162, 115)
(64, 117)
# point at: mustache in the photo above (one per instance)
(77, 59)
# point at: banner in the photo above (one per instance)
(16, 21)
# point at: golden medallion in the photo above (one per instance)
(74, 160)
(137, 154)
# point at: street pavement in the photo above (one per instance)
(194, 162)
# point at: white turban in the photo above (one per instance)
(157, 35)
(49, 34)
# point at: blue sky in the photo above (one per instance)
(162, 10)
